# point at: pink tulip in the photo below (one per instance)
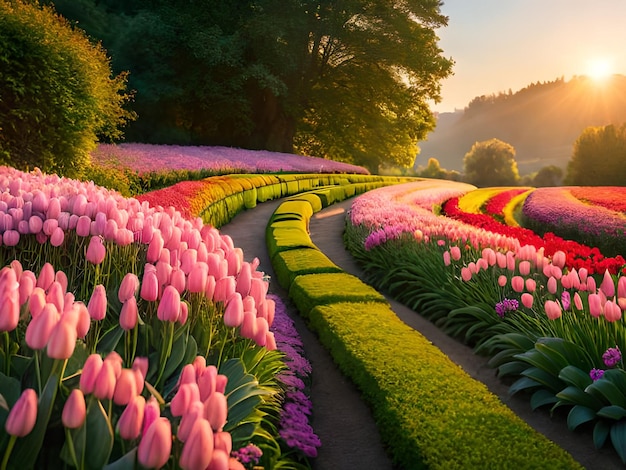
(455, 253)
(209, 291)
(262, 327)
(149, 286)
(128, 287)
(194, 412)
(591, 284)
(10, 305)
(224, 288)
(125, 387)
(184, 313)
(233, 314)
(95, 251)
(559, 258)
(466, 274)
(621, 287)
(198, 448)
(27, 285)
(129, 314)
(35, 224)
(178, 280)
(502, 280)
(270, 341)
(220, 383)
(97, 305)
(90, 372)
(187, 393)
(244, 279)
(22, 417)
(612, 311)
(446, 258)
(83, 226)
(84, 320)
(248, 325)
(207, 382)
(566, 300)
(152, 412)
(234, 464)
(62, 340)
(131, 420)
(58, 237)
(552, 285)
(37, 301)
(517, 283)
(155, 247)
(223, 441)
(156, 444)
(524, 268)
(56, 296)
(11, 237)
(40, 327)
(531, 285)
(46, 276)
(553, 309)
(216, 410)
(116, 360)
(510, 261)
(169, 306)
(608, 285)
(104, 385)
(141, 364)
(595, 305)
(74, 410)
(219, 461)
(198, 277)
(578, 302)
(527, 300)
(188, 260)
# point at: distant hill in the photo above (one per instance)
(541, 121)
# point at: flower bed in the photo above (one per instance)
(131, 334)
(555, 328)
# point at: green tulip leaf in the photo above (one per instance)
(99, 436)
(523, 383)
(575, 396)
(126, 462)
(541, 398)
(612, 412)
(618, 439)
(109, 341)
(579, 415)
(600, 433)
(607, 391)
(575, 376)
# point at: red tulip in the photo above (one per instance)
(75, 410)
(22, 417)
(97, 305)
(198, 448)
(156, 444)
(131, 420)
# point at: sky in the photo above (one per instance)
(499, 45)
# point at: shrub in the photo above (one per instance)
(58, 96)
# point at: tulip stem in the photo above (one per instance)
(7, 453)
(168, 338)
(7, 353)
(70, 446)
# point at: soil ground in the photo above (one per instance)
(344, 424)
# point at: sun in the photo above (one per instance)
(599, 68)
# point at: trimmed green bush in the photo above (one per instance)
(58, 96)
(310, 290)
(430, 413)
(282, 236)
(292, 263)
(312, 198)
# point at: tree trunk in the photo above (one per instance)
(274, 128)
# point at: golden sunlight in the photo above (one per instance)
(599, 68)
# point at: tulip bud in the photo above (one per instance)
(75, 410)
(149, 286)
(152, 412)
(128, 287)
(22, 417)
(216, 410)
(125, 387)
(131, 419)
(104, 386)
(219, 460)
(608, 285)
(129, 314)
(89, 374)
(156, 444)
(527, 300)
(517, 283)
(198, 448)
(97, 305)
(62, 340)
(40, 327)
(553, 309)
(233, 314)
(187, 393)
(169, 307)
(95, 251)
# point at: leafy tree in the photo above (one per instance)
(491, 163)
(348, 80)
(550, 175)
(57, 96)
(598, 157)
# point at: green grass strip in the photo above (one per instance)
(430, 413)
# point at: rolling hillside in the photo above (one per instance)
(541, 121)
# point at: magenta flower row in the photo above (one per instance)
(146, 158)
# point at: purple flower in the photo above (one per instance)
(565, 300)
(507, 305)
(596, 374)
(612, 357)
(248, 454)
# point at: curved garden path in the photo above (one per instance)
(343, 422)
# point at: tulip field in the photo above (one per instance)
(134, 333)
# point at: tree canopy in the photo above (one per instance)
(57, 96)
(491, 163)
(348, 80)
(598, 157)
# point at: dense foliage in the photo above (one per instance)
(57, 96)
(598, 158)
(347, 80)
(491, 163)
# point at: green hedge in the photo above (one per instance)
(430, 413)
